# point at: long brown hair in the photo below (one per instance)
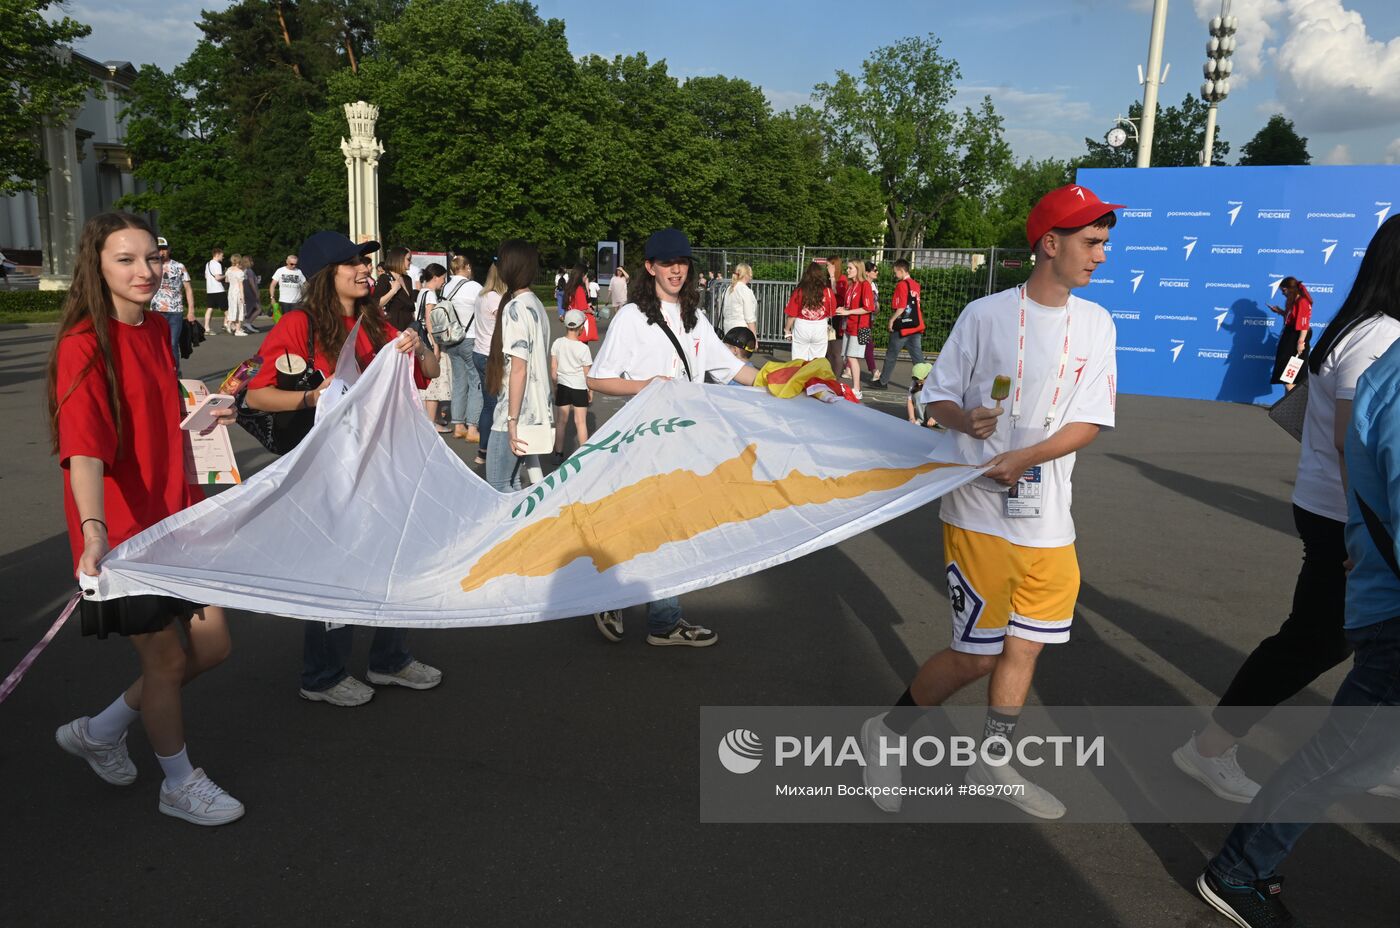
(90, 301)
(518, 264)
(649, 301)
(576, 280)
(814, 284)
(322, 304)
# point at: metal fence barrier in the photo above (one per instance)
(949, 279)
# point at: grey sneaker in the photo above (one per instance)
(685, 635)
(609, 624)
(1389, 787)
(200, 801)
(1221, 775)
(415, 675)
(109, 761)
(877, 774)
(348, 692)
(1015, 789)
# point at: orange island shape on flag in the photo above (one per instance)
(665, 508)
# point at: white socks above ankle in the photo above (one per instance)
(177, 768)
(111, 723)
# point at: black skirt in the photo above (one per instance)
(132, 615)
(1287, 350)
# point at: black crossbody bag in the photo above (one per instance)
(675, 343)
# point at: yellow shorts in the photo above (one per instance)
(997, 589)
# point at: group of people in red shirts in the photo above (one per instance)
(831, 315)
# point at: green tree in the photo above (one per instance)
(1178, 136)
(222, 140)
(896, 121)
(38, 79)
(1276, 143)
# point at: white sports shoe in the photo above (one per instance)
(109, 761)
(201, 801)
(1390, 788)
(875, 774)
(415, 675)
(348, 692)
(1021, 793)
(1221, 775)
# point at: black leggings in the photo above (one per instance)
(1310, 643)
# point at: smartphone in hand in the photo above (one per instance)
(202, 416)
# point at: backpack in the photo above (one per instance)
(447, 326)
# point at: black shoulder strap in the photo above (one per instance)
(675, 343)
(1379, 536)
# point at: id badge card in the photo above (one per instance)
(1026, 499)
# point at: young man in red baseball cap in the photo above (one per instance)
(1029, 374)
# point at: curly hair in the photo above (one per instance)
(322, 304)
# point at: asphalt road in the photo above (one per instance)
(552, 778)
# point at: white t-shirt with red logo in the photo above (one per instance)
(982, 347)
(635, 350)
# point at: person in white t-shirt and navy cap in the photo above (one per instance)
(1029, 374)
(663, 335)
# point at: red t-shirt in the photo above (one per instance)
(143, 479)
(289, 336)
(580, 298)
(795, 308)
(859, 295)
(902, 291)
(1299, 315)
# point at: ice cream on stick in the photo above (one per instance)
(1001, 388)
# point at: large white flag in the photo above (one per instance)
(373, 520)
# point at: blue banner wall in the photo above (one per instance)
(1195, 260)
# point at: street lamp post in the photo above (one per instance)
(1151, 82)
(1217, 72)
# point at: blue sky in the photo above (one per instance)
(1057, 70)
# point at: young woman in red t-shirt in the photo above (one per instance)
(1297, 329)
(577, 290)
(337, 295)
(812, 303)
(114, 417)
(854, 317)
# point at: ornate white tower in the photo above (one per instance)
(362, 152)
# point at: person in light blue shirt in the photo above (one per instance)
(1358, 748)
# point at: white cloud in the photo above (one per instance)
(164, 33)
(784, 100)
(1333, 75)
(1256, 33)
(1339, 154)
(1392, 152)
(1049, 107)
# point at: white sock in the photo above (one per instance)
(111, 723)
(177, 768)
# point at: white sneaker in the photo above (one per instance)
(109, 761)
(201, 801)
(875, 774)
(1390, 788)
(1221, 775)
(240, 332)
(1021, 793)
(348, 692)
(415, 675)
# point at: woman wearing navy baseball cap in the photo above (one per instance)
(338, 295)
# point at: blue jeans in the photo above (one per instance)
(324, 653)
(912, 342)
(504, 470)
(176, 322)
(466, 384)
(663, 614)
(1352, 752)
(488, 403)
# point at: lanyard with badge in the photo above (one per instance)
(1026, 499)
